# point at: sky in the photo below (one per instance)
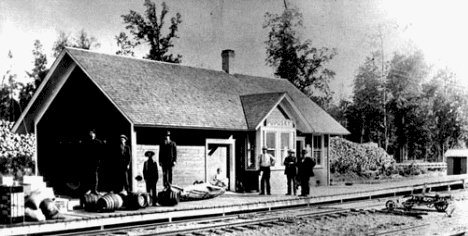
(438, 28)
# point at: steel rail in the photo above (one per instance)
(400, 230)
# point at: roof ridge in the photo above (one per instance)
(166, 63)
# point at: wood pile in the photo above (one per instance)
(361, 159)
(16, 150)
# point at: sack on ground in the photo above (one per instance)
(33, 215)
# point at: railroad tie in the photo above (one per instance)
(266, 225)
(344, 214)
(334, 216)
(198, 234)
(238, 229)
(250, 226)
(228, 230)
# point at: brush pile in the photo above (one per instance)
(16, 151)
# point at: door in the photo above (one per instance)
(218, 158)
(220, 155)
(300, 145)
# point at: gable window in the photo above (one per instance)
(318, 149)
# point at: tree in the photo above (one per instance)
(449, 127)
(126, 46)
(299, 62)
(9, 107)
(38, 74)
(149, 29)
(367, 101)
(83, 41)
(404, 80)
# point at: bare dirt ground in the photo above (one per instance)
(454, 220)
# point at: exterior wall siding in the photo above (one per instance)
(190, 165)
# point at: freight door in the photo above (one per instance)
(220, 154)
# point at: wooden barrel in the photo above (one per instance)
(136, 200)
(89, 201)
(148, 200)
(110, 202)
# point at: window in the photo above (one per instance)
(285, 146)
(278, 141)
(318, 149)
(271, 143)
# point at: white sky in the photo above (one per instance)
(209, 26)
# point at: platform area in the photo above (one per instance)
(232, 203)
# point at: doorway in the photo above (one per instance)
(300, 145)
(220, 154)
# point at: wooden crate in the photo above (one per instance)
(11, 204)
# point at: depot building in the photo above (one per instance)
(219, 119)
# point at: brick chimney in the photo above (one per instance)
(228, 59)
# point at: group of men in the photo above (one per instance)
(109, 164)
(167, 161)
(297, 170)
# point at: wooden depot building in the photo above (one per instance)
(217, 118)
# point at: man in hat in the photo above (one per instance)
(290, 171)
(92, 152)
(265, 161)
(124, 157)
(306, 170)
(167, 158)
(150, 174)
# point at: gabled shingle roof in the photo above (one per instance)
(163, 94)
(257, 106)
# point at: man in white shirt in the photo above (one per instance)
(265, 161)
(220, 179)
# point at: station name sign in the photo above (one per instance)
(280, 123)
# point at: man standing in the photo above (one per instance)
(167, 159)
(290, 171)
(150, 174)
(265, 162)
(124, 157)
(306, 170)
(92, 152)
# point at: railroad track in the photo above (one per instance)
(235, 222)
(241, 222)
(232, 223)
